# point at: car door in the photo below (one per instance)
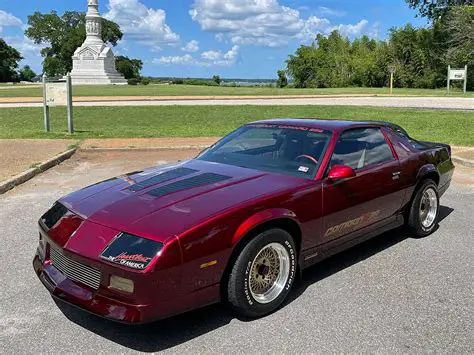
(373, 195)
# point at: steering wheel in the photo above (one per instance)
(307, 157)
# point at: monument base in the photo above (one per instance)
(97, 79)
(95, 65)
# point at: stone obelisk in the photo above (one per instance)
(94, 62)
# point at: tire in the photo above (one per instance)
(423, 216)
(263, 274)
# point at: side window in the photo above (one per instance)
(359, 148)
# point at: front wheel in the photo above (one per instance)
(263, 274)
(424, 211)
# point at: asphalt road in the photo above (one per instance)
(452, 103)
(394, 294)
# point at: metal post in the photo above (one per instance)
(465, 80)
(391, 83)
(449, 75)
(70, 113)
(47, 126)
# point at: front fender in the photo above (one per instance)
(259, 218)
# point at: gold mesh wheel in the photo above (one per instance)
(269, 273)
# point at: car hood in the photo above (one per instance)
(162, 202)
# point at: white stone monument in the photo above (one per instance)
(94, 62)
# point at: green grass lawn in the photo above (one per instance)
(454, 127)
(193, 90)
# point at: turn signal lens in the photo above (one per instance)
(121, 284)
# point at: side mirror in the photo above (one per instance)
(339, 172)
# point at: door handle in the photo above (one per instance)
(396, 175)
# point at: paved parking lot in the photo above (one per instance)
(392, 294)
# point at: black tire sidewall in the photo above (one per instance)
(241, 297)
(414, 220)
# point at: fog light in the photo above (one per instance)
(121, 284)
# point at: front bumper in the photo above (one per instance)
(109, 304)
(86, 298)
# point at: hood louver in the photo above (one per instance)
(168, 175)
(195, 181)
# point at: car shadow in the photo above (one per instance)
(167, 333)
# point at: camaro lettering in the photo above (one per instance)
(347, 226)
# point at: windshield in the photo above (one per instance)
(289, 150)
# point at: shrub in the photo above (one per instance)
(133, 81)
(145, 81)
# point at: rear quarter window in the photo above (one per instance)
(360, 148)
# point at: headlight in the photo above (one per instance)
(132, 251)
(54, 214)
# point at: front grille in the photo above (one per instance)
(74, 270)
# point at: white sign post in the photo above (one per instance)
(391, 69)
(457, 74)
(58, 93)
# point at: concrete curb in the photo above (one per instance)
(30, 173)
(144, 149)
(462, 161)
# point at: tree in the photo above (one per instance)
(63, 35)
(217, 79)
(459, 28)
(282, 80)
(435, 9)
(129, 68)
(9, 58)
(26, 74)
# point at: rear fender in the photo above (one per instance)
(427, 170)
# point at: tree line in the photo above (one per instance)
(420, 56)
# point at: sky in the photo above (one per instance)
(201, 38)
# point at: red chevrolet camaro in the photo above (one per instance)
(240, 221)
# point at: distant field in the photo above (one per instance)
(193, 90)
(454, 127)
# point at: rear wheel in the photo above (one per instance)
(424, 211)
(263, 274)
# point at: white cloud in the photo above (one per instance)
(211, 55)
(223, 59)
(374, 30)
(28, 49)
(351, 30)
(326, 11)
(191, 46)
(262, 22)
(7, 19)
(183, 59)
(208, 58)
(142, 24)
